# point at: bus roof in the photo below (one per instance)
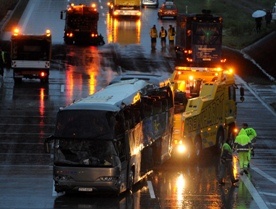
(155, 79)
(113, 97)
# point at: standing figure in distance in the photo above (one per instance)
(163, 36)
(153, 36)
(2, 62)
(171, 35)
(258, 24)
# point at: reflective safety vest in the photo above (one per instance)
(242, 142)
(171, 34)
(163, 33)
(3, 57)
(153, 33)
(251, 133)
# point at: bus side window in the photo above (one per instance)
(164, 104)
(148, 110)
(137, 113)
(157, 106)
(129, 118)
(119, 126)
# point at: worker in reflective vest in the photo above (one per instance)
(252, 134)
(163, 36)
(243, 145)
(171, 35)
(153, 36)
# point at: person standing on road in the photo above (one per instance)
(268, 17)
(171, 35)
(163, 36)
(252, 134)
(153, 36)
(2, 62)
(226, 167)
(258, 24)
(243, 145)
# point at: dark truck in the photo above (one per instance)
(81, 25)
(198, 39)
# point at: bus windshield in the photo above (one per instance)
(85, 124)
(95, 153)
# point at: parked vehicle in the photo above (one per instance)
(168, 9)
(150, 3)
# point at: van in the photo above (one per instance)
(150, 3)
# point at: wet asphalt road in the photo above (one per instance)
(28, 115)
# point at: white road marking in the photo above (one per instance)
(268, 194)
(252, 92)
(151, 191)
(26, 20)
(270, 178)
(254, 193)
(62, 88)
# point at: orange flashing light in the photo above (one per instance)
(16, 32)
(42, 74)
(48, 32)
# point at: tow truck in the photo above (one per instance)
(204, 87)
(31, 55)
(81, 25)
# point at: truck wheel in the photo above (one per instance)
(198, 147)
(220, 139)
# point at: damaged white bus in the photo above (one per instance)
(112, 139)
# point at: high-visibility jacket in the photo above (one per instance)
(153, 33)
(163, 33)
(251, 133)
(242, 141)
(226, 152)
(171, 34)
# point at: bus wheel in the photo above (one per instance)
(130, 179)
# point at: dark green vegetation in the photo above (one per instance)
(239, 26)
